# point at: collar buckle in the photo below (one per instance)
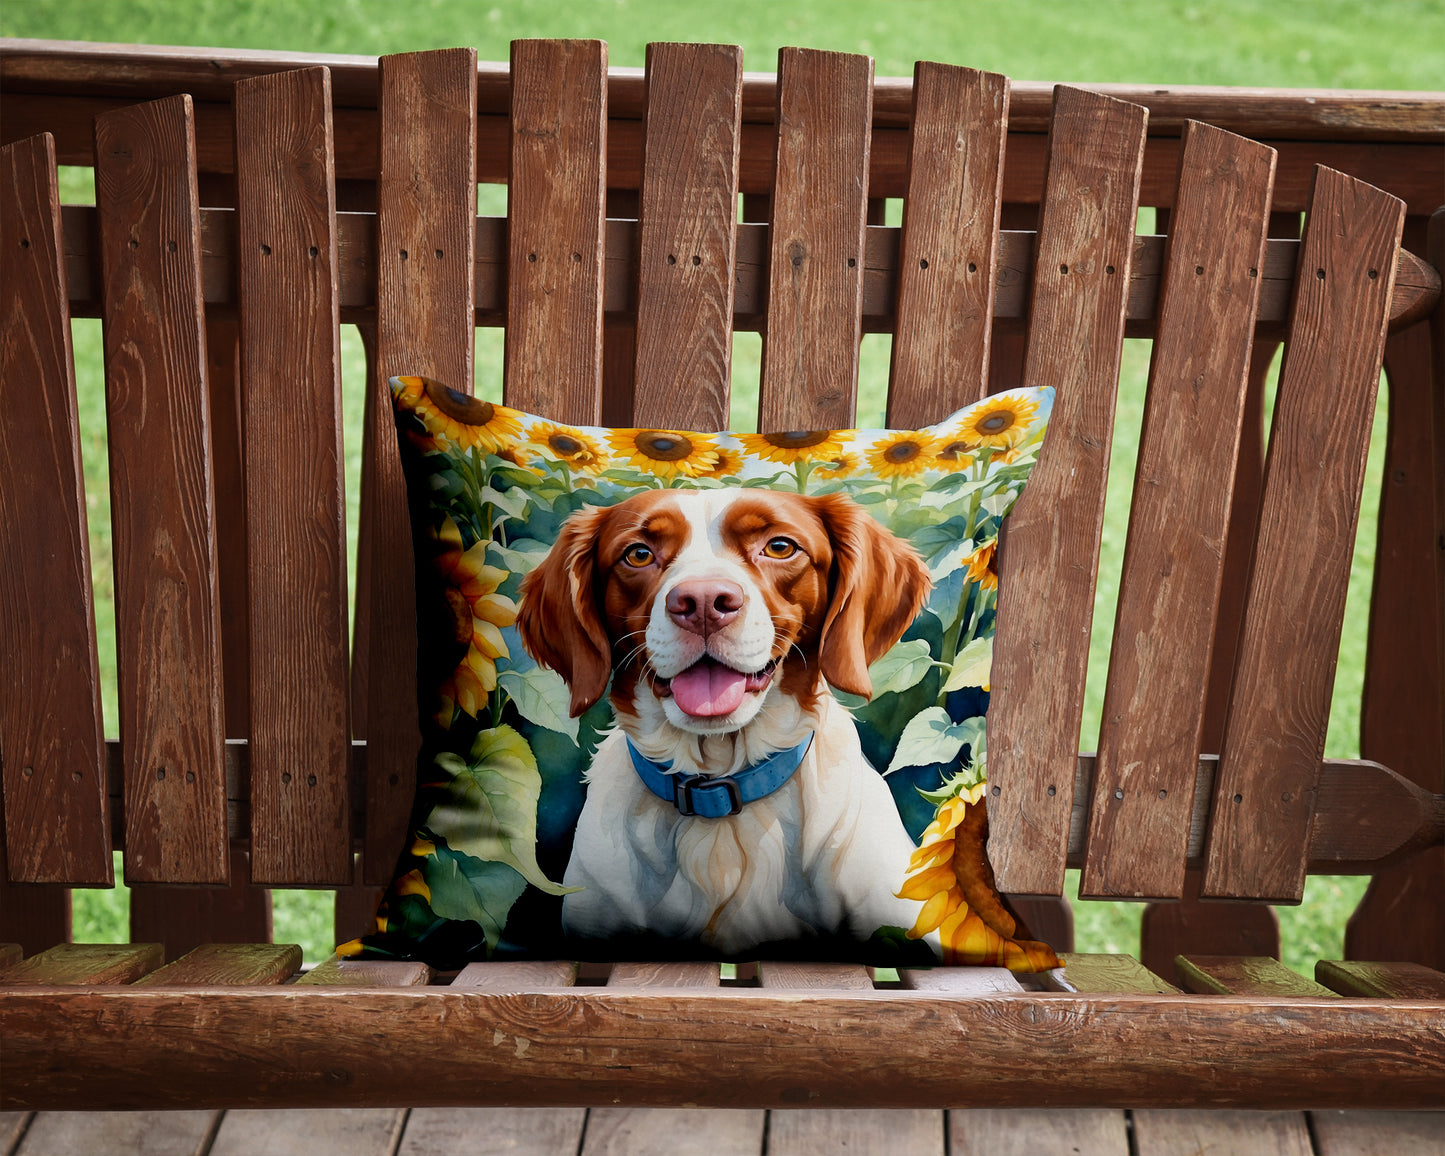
(685, 785)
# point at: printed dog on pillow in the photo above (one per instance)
(733, 806)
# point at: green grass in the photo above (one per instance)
(1313, 43)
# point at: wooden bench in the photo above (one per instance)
(245, 207)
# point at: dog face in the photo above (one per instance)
(709, 601)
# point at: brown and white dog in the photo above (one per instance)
(717, 616)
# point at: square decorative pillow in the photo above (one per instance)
(692, 695)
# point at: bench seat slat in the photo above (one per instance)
(1153, 712)
(814, 976)
(300, 741)
(56, 817)
(1243, 975)
(168, 640)
(337, 972)
(520, 975)
(1383, 980)
(1275, 733)
(1096, 972)
(228, 963)
(184, 917)
(959, 980)
(84, 964)
(1051, 549)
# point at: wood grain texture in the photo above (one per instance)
(1096, 972)
(34, 915)
(294, 1046)
(814, 976)
(1029, 1131)
(168, 633)
(669, 975)
(1153, 714)
(1191, 926)
(687, 236)
(519, 975)
(228, 963)
(555, 207)
(959, 980)
(1047, 570)
(425, 221)
(321, 1132)
(1378, 1133)
(335, 972)
(295, 502)
(182, 918)
(674, 1132)
(516, 1131)
(911, 1130)
(134, 1133)
(949, 248)
(1383, 980)
(1275, 733)
(1188, 1132)
(70, 964)
(815, 257)
(57, 825)
(12, 1127)
(1242, 975)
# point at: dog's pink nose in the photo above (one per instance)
(704, 606)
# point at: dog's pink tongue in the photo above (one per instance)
(708, 688)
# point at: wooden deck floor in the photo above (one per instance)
(697, 1132)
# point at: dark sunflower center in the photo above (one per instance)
(900, 452)
(797, 439)
(953, 451)
(565, 444)
(458, 406)
(997, 422)
(663, 445)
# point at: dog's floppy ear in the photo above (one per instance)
(558, 618)
(879, 585)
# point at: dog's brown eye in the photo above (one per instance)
(780, 548)
(637, 555)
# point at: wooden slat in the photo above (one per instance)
(674, 1132)
(85, 963)
(142, 1133)
(182, 918)
(814, 976)
(1029, 1131)
(1047, 569)
(34, 915)
(959, 980)
(300, 743)
(426, 214)
(336, 972)
(949, 249)
(1191, 925)
(10, 953)
(228, 963)
(316, 1132)
(1384, 980)
(816, 258)
(515, 1131)
(664, 975)
(1275, 732)
(804, 1133)
(555, 205)
(1097, 972)
(687, 236)
(1378, 1133)
(1185, 1132)
(519, 975)
(1153, 713)
(168, 634)
(1242, 975)
(56, 818)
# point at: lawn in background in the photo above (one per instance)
(1326, 43)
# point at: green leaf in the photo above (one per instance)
(522, 555)
(972, 666)
(513, 501)
(931, 737)
(540, 694)
(902, 667)
(465, 888)
(488, 808)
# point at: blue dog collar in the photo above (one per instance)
(717, 796)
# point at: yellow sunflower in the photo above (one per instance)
(841, 468)
(668, 453)
(903, 454)
(728, 462)
(579, 451)
(983, 565)
(954, 455)
(1000, 422)
(949, 869)
(817, 445)
(479, 613)
(456, 420)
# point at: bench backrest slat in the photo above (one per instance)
(1046, 588)
(1275, 733)
(168, 639)
(426, 243)
(555, 209)
(947, 264)
(687, 236)
(295, 502)
(1173, 562)
(57, 827)
(816, 263)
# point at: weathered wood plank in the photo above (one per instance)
(687, 236)
(228, 963)
(1190, 925)
(637, 975)
(959, 980)
(34, 915)
(555, 207)
(71, 964)
(1187, 1132)
(468, 1131)
(947, 265)
(168, 632)
(674, 1132)
(1275, 733)
(1081, 276)
(803, 1133)
(135, 1133)
(335, 972)
(1243, 975)
(12, 1127)
(1028, 1131)
(816, 259)
(1378, 1133)
(316, 1132)
(788, 976)
(1383, 980)
(182, 918)
(300, 756)
(1153, 714)
(57, 825)
(1096, 972)
(519, 975)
